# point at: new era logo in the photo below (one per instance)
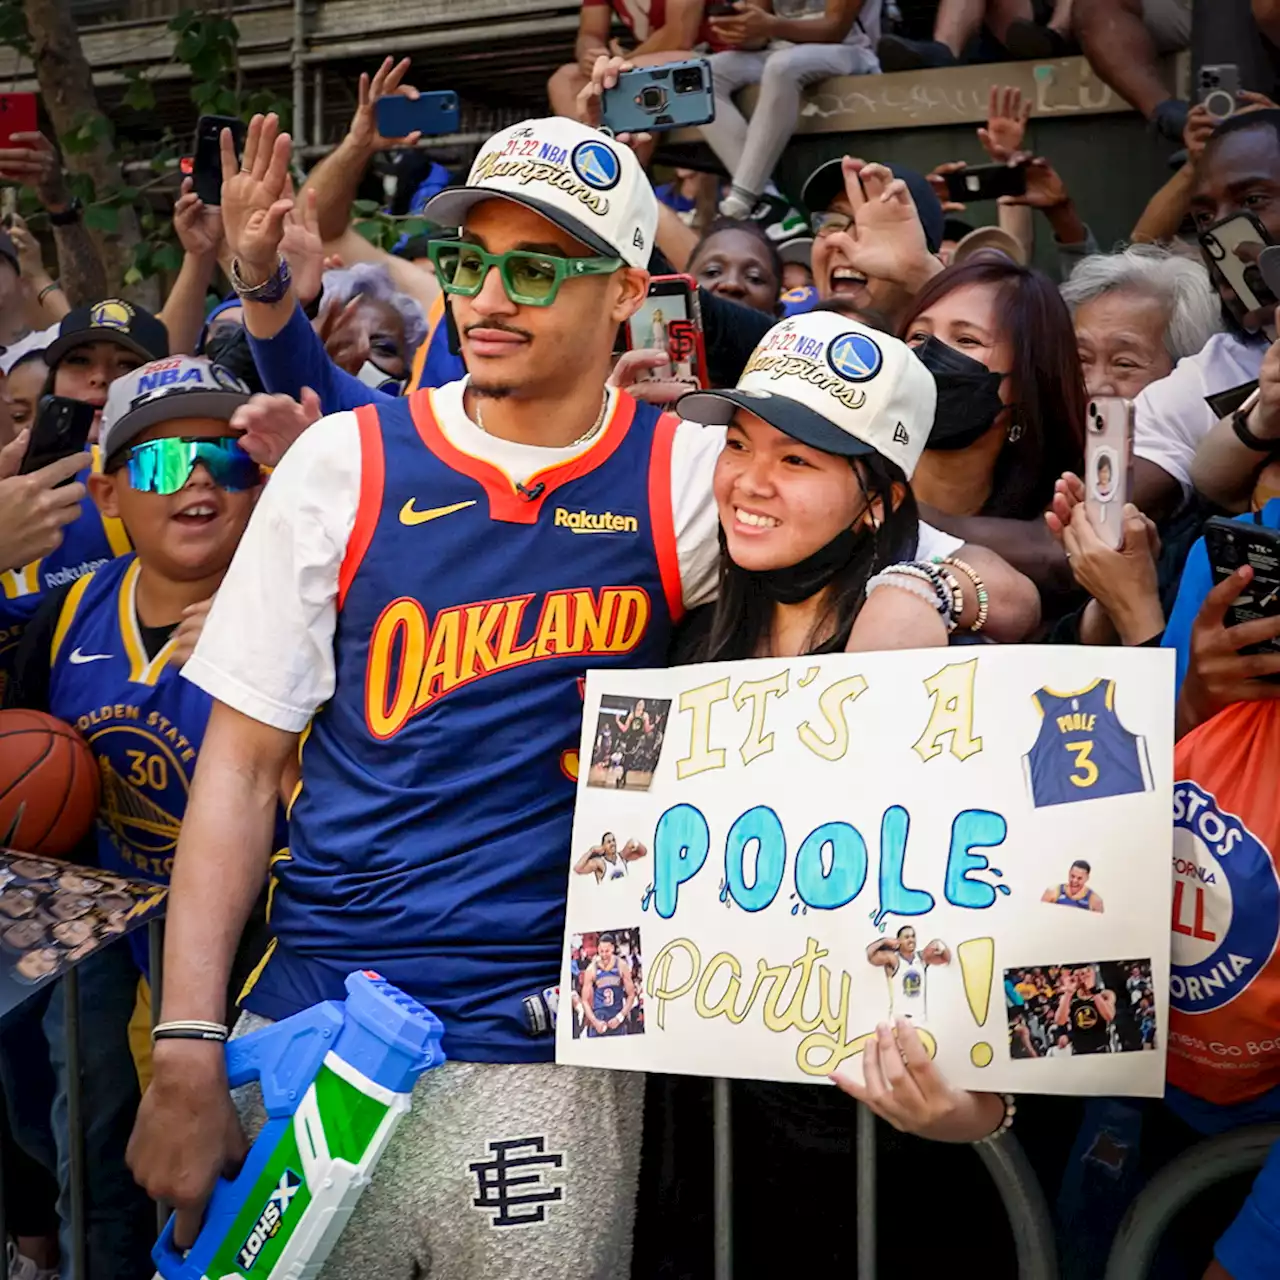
(638, 239)
(900, 435)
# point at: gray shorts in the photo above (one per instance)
(1169, 22)
(499, 1172)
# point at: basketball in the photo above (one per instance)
(48, 784)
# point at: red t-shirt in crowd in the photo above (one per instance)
(643, 17)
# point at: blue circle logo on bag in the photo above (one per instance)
(1226, 903)
(854, 357)
(596, 165)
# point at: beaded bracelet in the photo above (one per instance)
(902, 582)
(928, 573)
(980, 588)
(1006, 1121)
(952, 583)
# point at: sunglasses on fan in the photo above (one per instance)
(165, 466)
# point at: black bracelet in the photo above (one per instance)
(69, 216)
(1240, 426)
(181, 1033)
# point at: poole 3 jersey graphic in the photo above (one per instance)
(1082, 751)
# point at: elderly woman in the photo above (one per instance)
(369, 327)
(1136, 314)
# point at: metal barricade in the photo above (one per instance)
(1176, 1185)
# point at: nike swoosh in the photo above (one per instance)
(409, 516)
(77, 657)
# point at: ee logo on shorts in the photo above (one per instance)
(596, 165)
(1226, 903)
(854, 357)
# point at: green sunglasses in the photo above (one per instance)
(530, 279)
(165, 466)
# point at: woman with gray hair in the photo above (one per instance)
(1136, 314)
(368, 326)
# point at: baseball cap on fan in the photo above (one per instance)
(179, 387)
(575, 176)
(834, 385)
(826, 182)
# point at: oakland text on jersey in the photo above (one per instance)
(413, 663)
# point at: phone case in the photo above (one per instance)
(1233, 543)
(1216, 89)
(433, 114)
(1245, 278)
(651, 99)
(986, 182)
(61, 429)
(18, 113)
(1108, 447)
(207, 163)
(683, 334)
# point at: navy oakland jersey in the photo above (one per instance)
(1064, 899)
(1083, 752)
(143, 722)
(608, 996)
(430, 835)
(88, 542)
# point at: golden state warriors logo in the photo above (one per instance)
(855, 357)
(112, 314)
(596, 165)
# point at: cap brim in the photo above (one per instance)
(716, 409)
(822, 186)
(68, 342)
(798, 249)
(185, 404)
(450, 209)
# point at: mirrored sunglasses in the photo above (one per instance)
(165, 466)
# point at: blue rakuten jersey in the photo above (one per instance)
(608, 996)
(1083, 752)
(88, 543)
(430, 838)
(1064, 899)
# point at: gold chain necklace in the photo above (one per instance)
(582, 439)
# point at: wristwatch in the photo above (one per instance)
(1240, 425)
(70, 215)
(272, 289)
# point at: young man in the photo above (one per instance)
(407, 596)
(906, 971)
(1086, 1013)
(97, 655)
(606, 860)
(608, 990)
(1076, 891)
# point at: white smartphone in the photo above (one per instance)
(1108, 449)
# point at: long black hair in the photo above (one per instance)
(742, 612)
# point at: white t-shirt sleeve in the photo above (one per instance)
(693, 462)
(267, 646)
(1170, 418)
(932, 542)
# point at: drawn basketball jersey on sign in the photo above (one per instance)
(907, 988)
(1083, 752)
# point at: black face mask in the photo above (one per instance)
(798, 582)
(968, 395)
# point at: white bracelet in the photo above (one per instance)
(901, 582)
(189, 1029)
(1006, 1121)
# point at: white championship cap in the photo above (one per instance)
(575, 176)
(833, 384)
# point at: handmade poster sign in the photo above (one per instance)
(771, 857)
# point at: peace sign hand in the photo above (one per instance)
(256, 196)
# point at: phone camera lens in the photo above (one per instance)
(687, 80)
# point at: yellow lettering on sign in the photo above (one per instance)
(831, 707)
(952, 713)
(757, 742)
(698, 702)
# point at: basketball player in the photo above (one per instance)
(1083, 752)
(605, 860)
(906, 971)
(635, 726)
(405, 593)
(1086, 1013)
(1076, 891)
(97, 654)
(608, 990)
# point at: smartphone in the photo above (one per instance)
(1108, 448)
(17, 115)
(986, 182)
(1217, 87)
(1233, 543)
(671, 320)
(650, 99)
(432, 114)
(61, 429)
(721, 8)
(1219, 244)
(206, 167)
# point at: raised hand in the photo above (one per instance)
(256, 196)
(35, 164)
(271, 423)
(938, 181)
(1007, 116)
(1045, 188)
(387, 80)
(34, 509)
(303, 249)
(197, 225)
(888, 238)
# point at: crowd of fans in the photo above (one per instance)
(262, 438)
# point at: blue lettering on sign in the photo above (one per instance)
(553, 154)
(810, 347)
(831, 864)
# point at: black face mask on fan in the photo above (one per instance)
(968, 395)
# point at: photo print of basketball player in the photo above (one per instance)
(1074, 1010)
(1083, 751)
(907, 971)
(606, 861)
(607, 980)
(628, 742)
(1075, 891)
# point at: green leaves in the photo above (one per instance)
(88, 132)
(139, 96)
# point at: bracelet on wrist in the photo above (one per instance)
(903, 582)
(189, 1029)
(52, 287)
(1244, 433)
(69, 216)
(272, 289)
(979, 587)
(1006, 1121)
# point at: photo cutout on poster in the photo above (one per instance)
(1083, 751)
(1077, 1009)
(628, 742)
(1076, 890)
(607, 983)
(906, 969)
(608, 861)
